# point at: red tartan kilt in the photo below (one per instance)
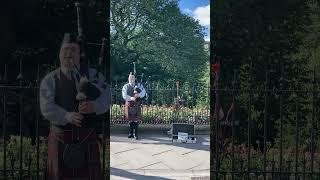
(56, 167)
(136, 117)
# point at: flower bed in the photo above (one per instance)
(164, 115)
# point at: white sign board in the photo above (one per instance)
(182, 136)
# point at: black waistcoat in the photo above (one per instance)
(65, 96)
(65, 93)
(130, 90)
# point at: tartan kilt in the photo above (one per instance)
(135, 117)
(56, 144)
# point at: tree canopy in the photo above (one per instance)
(255, 39)
(165, 43)
(37, 28)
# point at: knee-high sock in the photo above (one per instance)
(131, 127)
(136, 128)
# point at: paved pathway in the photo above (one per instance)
(154, 156)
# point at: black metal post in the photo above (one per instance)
(37, 120)
(249, 123)
(265, 128)
(5, 125)
(296, 139)
(232, 126)
(312, 119)
(217, 108)
(281, 123)
(20, 77)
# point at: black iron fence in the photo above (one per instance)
(24, 132)
(270, 133)
(167, 104)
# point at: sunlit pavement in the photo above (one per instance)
(154, 156)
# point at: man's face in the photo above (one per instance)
(131, 79)
(69, 55)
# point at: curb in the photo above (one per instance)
(160, 128)
(176, 174)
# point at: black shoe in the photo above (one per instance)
(130, 136)
(136, 137)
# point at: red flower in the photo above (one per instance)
(216, 68)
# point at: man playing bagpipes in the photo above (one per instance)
(73, 146)
(133, 93)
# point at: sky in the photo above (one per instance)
(199, 10)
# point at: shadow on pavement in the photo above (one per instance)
(196, 146)
(201, 144)
(130, 175)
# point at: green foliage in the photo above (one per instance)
(202, 93)
(39, 27)
(29, 155)
(155, 34)
(165, 114)
(192, 95)
(270, 159)
(279, 39)
(259, 39)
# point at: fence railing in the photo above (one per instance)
(23, 152)
(167, 104)
(273, 133)
(24, 132)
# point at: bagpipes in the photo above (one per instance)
(88, 91)
(139, 85)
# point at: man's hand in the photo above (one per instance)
(75, 118)
(133, 98)
(87, 107)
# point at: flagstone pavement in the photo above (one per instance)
(154, 156)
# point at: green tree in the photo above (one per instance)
(37, 28)
(155, 34)
(255, 38)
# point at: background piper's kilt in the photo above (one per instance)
(56, 145)
(132, 111)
